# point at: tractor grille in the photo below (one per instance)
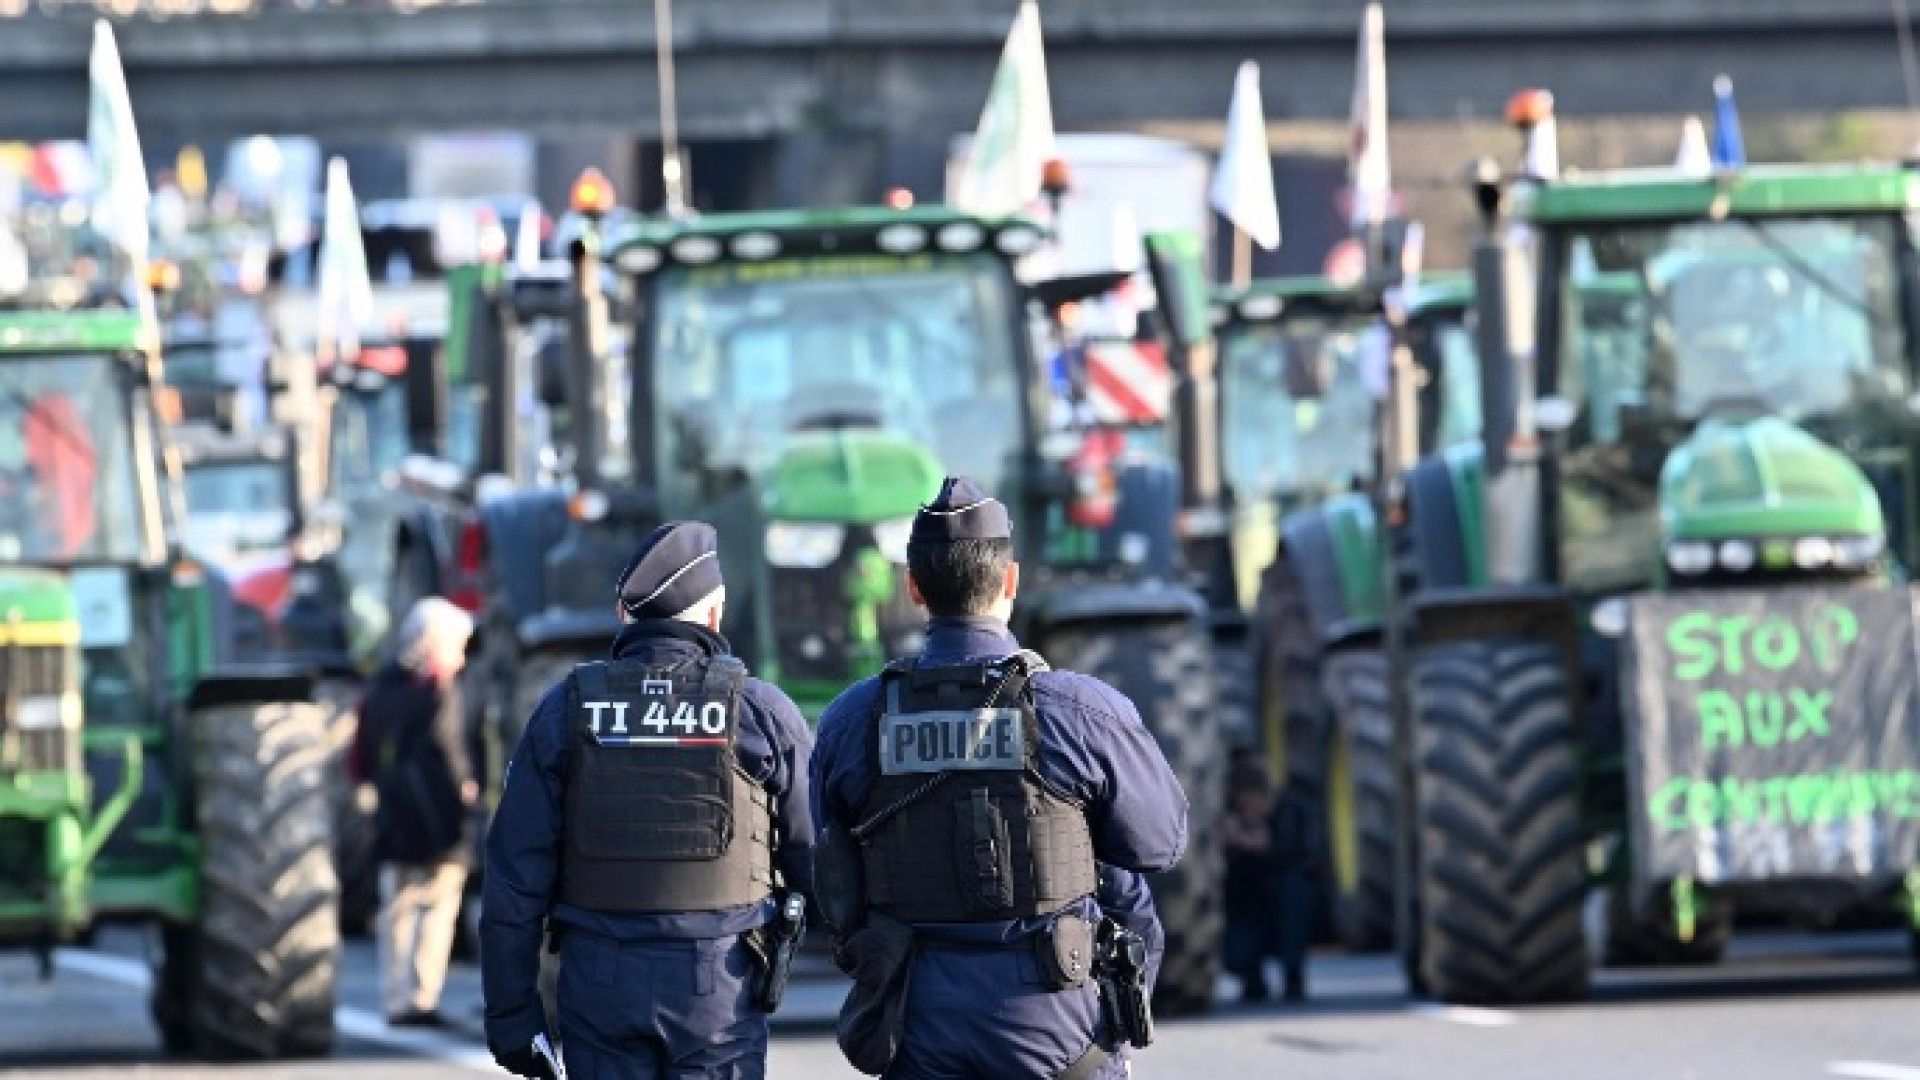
(39, 708)
(812, 617)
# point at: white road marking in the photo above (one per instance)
(1466, 1014)
(1873, 1070)
(354, 1023)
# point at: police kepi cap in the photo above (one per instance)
(676, 566)
(962, 512)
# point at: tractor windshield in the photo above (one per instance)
(369, 439)
(238, 508)
(1661, 326)
(67, 479)
(751, 357)
(1297, 417)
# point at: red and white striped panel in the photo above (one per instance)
(1128, 382)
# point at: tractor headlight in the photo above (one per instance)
(1609, 617)
(804, 545)
(1812, 552)
(1690, 557)
(1857, 552)
(891, 538)
(1738, 555)
(40, 712)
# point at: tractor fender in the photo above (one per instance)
(253, 684)
(520, 530)
(1129, 602)
(1444, 512)
(1335, 552)
(1501, 612)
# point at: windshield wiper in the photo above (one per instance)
(1799, 266)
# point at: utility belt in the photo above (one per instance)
(1069, 953)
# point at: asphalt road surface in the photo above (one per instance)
(1785, 1005)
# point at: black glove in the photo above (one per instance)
(523, 1062)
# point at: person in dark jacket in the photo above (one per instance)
(613, 828)
(411, 746)
(1274, 866)
(1043, 822)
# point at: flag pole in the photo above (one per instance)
(1242, 258)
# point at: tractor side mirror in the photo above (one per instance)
(1180, 282)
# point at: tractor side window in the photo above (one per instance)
(68, 490)
(1459, 419)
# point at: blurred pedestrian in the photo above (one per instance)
(1274, 865)
(411, 745)
(1250, 893)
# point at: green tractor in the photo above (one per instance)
(142, 777)
(803, 380)
(1302, 437)
(1656, 628)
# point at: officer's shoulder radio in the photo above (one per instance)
(658, 815)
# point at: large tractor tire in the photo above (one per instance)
(1651, 938)
(1361, 798)
(1500, 867)
(1290, 716)
(1234, 690)
(1165, 669)
(353, 809)
(255, 978)
(533, 677)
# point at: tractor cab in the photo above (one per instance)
(1735, 391)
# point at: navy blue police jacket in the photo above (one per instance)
(1093, 747)
(523, 845)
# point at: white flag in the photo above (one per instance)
(1243, 178)
(120, 196)
(346, 290)
(1693, 158)
(526, 240)
(1015, 138)
(1369, 177)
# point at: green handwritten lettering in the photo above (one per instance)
(1805, 799)
(1720, 722)
(1731, 628)
(1841, 628)
(1776, 644)
(1698, 657)
(1766, 718)
(1741, 802)
(1809, 714)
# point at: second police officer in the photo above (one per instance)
(980, 816)
(656, 812)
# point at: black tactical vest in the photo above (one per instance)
(659, 817)
(958, 826)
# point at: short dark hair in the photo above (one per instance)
(959, 577)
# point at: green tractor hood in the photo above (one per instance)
(37, 608)
(1763, 477)
(855, 476)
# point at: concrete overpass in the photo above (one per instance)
(838, 88)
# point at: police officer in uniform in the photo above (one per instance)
(656, 815)
(980, 816)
